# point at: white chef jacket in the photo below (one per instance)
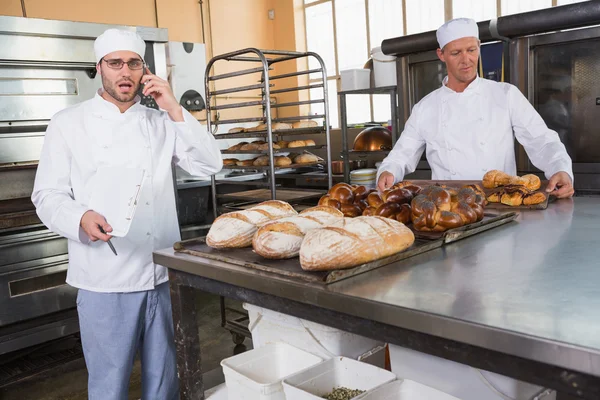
(467, 134)
(93, 134)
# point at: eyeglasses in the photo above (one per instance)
(117, 63)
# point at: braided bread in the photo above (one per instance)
(437, 209)
(350, 199)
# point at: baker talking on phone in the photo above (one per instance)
(468, 126)
(123, 301)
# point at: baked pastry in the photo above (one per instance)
(245, 163)
(237, 130)
(309, 143)
(436, 209)
(296, 143)
(250, 147)
(283, 237)
(353, 241)
(236, 229)
(494, 178)
(306, 159)
(280, 161)
(230, 161)
(531, 182)
(237, 147)
(515, 195)
(265, 146)
(283, 144)
(305, 124)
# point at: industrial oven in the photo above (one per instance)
(45, 66)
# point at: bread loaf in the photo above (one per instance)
(250, 147)
(353, 241)
(305, 124)
(309, 142)
(265, 146)
(237, 130)
(296, 143)
(245, 163)
(280, 161)
(306, 159)
(236, 229)
(282, 238)
(283, 144)
(237, 147)
(230, 161)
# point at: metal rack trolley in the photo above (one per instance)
(393, 92)
(266, 58)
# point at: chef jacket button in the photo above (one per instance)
(147, 203)
(450, 148)
(482, 143)
(453, 172)
(484, 169)
(148, 233)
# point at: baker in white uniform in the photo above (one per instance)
(123, 301)
(468, 125)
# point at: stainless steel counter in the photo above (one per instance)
(529, 289)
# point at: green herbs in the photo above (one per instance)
(343, 393)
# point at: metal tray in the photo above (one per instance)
(266, 167)
(290, 268)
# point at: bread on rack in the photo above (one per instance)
(309, 143)
(230, 161)
(237, 147)
(250, 147)
(437, 209)
(245, 163)
(283, 144)
(237, 130)
(282, 238)
(296, 143)
(236, 229)
(306, 158)
(280, 161)
(494, 178)
(265, 146)
(305, 124)
(353, 241)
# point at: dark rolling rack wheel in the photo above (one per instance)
(237, 326)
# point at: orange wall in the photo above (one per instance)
(11, 7)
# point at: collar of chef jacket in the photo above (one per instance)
(473, 88)
(107, 110)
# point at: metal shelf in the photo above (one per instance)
(367, 153)
(379, 90)
(281, 132)
(282, 194)
(275, 151)
(267, 167)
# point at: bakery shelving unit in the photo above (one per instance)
(266, 59)
(392, 91)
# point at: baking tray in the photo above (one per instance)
(290, 268)
(275, 151)
(280, 132)
(492, 206)
(281, 194)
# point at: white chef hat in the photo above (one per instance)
(118, 40)
(456, 29)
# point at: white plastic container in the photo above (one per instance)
(257, 374)
(269, 326)
(456, 379)
(356, 79)
(384, 68)
(315, 382)
(405, 390)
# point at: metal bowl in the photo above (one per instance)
(373, 139)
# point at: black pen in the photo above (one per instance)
(109, 243)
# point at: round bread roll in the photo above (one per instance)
(237, 130)
(304, 124)
(309, 142)
(261, 161)
(265, 146)
(277, 126)
(230, 161)
(306, 159)
(282, 161)
(283, 144)
(296, 143)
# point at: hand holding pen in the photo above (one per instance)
(96, 227)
